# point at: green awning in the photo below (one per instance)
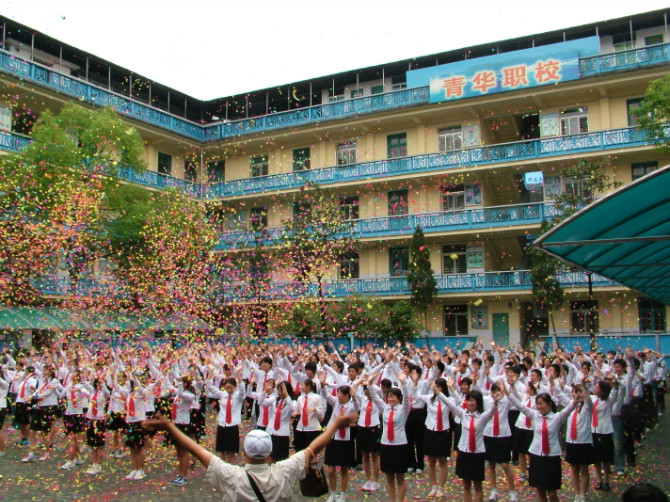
(63, 319)
(625, 236)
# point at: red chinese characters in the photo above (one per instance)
(547, 70)
(514, 76)
(483, 81)
(453, 87)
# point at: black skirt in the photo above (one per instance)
(393, 459)
(280, 448)
(22, 413)
(522, 440)
(73, 423)
(498, 449)
(135, 435)
(368, 439)
(117, 421)
(437, 444)
(302, 439)
(603, 448)
(340, 453)
(95, 433)
(545, 472)
(43, 418)
(227, 439)
(470, 466)
(579, 453)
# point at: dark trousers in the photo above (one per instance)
(630, 428)
(512, 417)
(415, 428)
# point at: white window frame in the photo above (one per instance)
(452, 265)
(450, 139)
(346, 154)
(575, 122)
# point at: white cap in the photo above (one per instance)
(258, 444)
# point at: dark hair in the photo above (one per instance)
(442, 384)
(344, 389)
(311, 366)
(339, 365)
(309, 383)
(644, 492)
(515, 368)
(621, 362)
(440, 366)
(587, 364)
(289, 388)
(537, 372)
(557, 368)
(396, 392)
(605, 389)
(386, 383)
(527, 362)
(477, 361)
(230, 381)
(477, 396)
(495, 387)
(266, 359)
(547, 399)
(467, 381)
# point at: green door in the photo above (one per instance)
(501, 329)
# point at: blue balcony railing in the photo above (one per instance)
(397, 286)
(158, 180)
(486, 155)
(86, 286)
(385, 226)
(13, 142)
(94, 94)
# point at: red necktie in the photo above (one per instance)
(305, 418)
(278, 415)
(573, 425)
(528, 422)
(440, 425)
(390, 434)
(496, 424)
(342, 432)
(131, 406)
(472, 439)
(289, 379)
(73, 398)
(488, 384)
(411, 403)
(157, 391)
(94, 404)
(265, 416)
(174, 409)
(595, 414)
(545, 438)
(464, 405)
(229, 409)
(460, 379)
(22, 394)
(368, 414)
(379, 378)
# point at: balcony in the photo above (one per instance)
(486, 155)
(437, 222)
(85, 91)
(486, 282)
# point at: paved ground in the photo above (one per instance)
(45, 482)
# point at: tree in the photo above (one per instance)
(584, 180)
(362, 316)
(315, 239)
(653, 115)
(420, 277)
(401, 325)
(54, 192)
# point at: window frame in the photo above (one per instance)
(584, 308)
(350, 266)
(391, 149)
(458, 265)
(401, 207)
(460, 314)
(401, 253)
(301, 159)
(649, 167)
(349, 206)
(346, 154)
(258, 218)
(451, 135)
(259, 166)
(164, 165)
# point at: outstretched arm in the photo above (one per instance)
(163, 424)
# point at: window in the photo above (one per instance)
(216, 171)
(574, 121)
(350, 266)
(356, 93)
(454, 259)
(584, 316)
(652, 315)
(623, 43)
(450, 139)
(301, 159)
(398, 261)
(259, 166)
(346, 154)
(653, 39)
(299, 208)
(455, 320)
(349, 207)
(577, 187)
(396, 145)
(397, 203)
(633, 106)
(164, 163)
(258, 217)
(453, 197)
(190, 171)
(640, 169)
(377, 89)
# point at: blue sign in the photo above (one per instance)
(545, 65)
(533, 180)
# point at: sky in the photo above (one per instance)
(215, 48)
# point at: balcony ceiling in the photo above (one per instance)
(624, 236)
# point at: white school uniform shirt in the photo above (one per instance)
(555, 422)
(503, 415)
(47, 391)
(400, 413)
(365, 404)
(264, 412)
(480, 421)
(25, 388)
(603, 410)
(182, 405)
(341, 409)
(584, 413)
(313, 401)
(422, 387)
(433, 406)
(524, 422)
(97, 403)
(77, 398)
(288, 407)
(4, 390)
(139, 405)
(237, 400)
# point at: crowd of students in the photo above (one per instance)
(487, 407)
